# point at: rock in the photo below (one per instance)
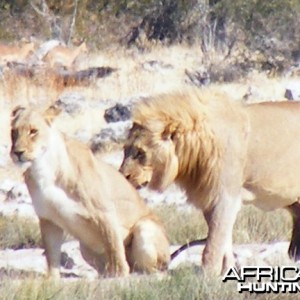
(71, 104)
(198, 78)
(16, 200)
(113, 134)
(18, 193)
(292, 91)
(73, 264)
(29, 260)
(33, 260)
(288, 94)
(292, 94)
(156, 66)
(6, 185)
(117, 113)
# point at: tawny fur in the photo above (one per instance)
(14, 53)
(72, 191)
(221, 153)
(64, 56)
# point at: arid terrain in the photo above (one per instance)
(95, 59)
(96, 92)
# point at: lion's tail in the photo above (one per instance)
(186, 246)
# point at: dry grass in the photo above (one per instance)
(256, 226)
(182, 284)
(252, 226)
(19, 233)
(138, 74)
(160, 70)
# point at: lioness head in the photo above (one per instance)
(149, 158)
(30, 132)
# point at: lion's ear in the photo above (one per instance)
(169, 132)
(16, 112)
(51, 112)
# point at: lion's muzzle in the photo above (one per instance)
(18, 156)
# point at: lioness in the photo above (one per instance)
(71, 191)
(220, 153)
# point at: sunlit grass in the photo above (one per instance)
(19, 233)
(184, 283)
(252, 225)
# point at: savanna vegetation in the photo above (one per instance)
(230, 39)
(253, 226)
(249, 33)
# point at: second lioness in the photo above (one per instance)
(72, 191)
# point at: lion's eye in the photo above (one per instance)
(139, 155)
(33, 131)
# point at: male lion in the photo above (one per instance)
(220, 153)
(71, 191)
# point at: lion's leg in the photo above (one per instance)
(113, 245)
(104, 236)
(94, 259)
(294, 248)
(52, 237)
(218, 254)
(149, 249)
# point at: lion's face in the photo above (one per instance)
(149, 159)
(29, 135)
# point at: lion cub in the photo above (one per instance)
(72, 191)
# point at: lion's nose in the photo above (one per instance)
(18, 154)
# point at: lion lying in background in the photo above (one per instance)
(89, 199)
(220, 153)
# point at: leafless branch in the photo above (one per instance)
(46, 13)
(73, 21)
